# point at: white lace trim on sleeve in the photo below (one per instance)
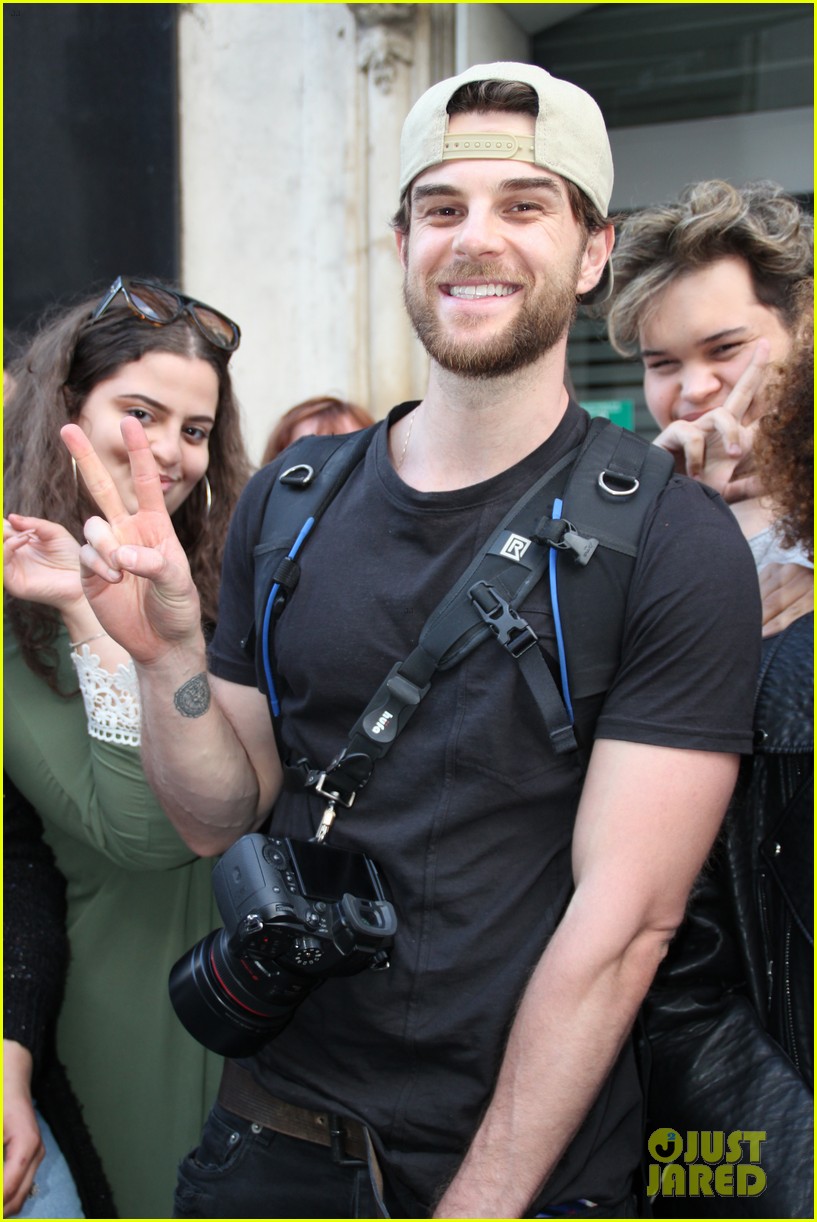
(111, 700)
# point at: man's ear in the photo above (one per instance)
(596, 253)
(402, 246)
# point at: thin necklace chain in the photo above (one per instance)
(401, 459)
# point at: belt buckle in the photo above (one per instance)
(337, 1142)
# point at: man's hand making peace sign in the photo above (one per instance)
(716, 449)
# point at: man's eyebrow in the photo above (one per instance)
(541, 182)
(714, 338)
(432, 189)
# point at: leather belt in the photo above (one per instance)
(241, 1094)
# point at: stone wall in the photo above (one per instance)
(290, 118)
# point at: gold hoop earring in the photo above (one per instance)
(74, 469)
(208, 496)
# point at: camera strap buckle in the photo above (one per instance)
(507, 625)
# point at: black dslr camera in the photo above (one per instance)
(294, 913)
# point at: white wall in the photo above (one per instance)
(485, 34)
(270, 194)
(290, 118)
(653, 163)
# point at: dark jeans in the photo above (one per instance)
(241, 1170)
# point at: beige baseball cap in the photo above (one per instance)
(570, 137)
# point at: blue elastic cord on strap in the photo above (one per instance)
(557, 619)
(293, 551)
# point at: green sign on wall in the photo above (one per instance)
(620, 411)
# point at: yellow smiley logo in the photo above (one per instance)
(665, 1145)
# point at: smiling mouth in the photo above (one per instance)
(470, 292)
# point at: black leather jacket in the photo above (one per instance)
(729, 1019)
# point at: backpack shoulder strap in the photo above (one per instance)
(613, 482)
(313, 470)
(608, 498)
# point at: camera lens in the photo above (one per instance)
(217, 1008)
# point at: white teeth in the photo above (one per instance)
(481, 290)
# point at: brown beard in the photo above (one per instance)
(539, 326)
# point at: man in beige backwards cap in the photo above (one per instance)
(492, 1064)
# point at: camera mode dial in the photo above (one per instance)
(306, 950)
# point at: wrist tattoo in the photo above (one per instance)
(193, 697)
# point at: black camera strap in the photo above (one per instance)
(484, 603)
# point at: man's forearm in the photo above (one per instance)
(575, 1015)
(193, 757)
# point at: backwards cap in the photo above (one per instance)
(570, 137)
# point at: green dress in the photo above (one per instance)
(137, 899)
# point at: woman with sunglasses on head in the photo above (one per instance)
(136, 895)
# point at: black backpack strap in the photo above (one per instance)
(608, 498)
(612, 484)
(312, 471)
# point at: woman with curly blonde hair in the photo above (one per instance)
(136, 895)
(706, 293)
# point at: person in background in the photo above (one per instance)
(136, 893)
(324, 415)
(706, 291)
(730, 1018)
(44, 1134)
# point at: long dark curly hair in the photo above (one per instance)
(49, 383)
(784, 448)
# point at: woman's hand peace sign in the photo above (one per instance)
(134, 571)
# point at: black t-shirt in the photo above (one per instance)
(470, 817)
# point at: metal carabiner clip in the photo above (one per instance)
(325, 823)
